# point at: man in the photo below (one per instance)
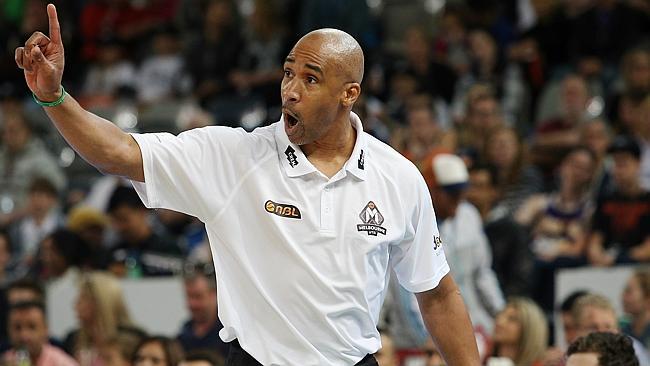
(140, 251)
(621, 223)
(595, 313)
(302, 216)
(201, 331)
(28, 334)
(466, 245)
(602, 349)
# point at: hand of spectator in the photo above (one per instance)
(42, 60)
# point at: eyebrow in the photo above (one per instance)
(313, 67)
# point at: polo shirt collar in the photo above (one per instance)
(296, 164)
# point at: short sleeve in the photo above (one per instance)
(419, 260)
(193, 172)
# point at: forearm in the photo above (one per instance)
(446, 318)
(98, 141)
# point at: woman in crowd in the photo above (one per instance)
(520, 333)
(102, 313)
(157, 351)
(636, 305)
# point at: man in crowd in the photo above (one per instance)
(602, 349)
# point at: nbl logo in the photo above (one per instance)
(372, 220)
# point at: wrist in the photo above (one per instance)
(50, 99)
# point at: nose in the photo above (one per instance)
(290, 91)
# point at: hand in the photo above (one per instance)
(43, 60)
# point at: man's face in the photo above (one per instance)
(201, 299)
(484, 114)
(311, 90)
(128, 222)
(626, 169)
(28, 330)
(594, 319)
(481, 192)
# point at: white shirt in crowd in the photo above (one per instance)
(301, 260)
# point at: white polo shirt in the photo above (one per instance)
(301, 260)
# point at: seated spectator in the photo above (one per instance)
(91, 225)
(112, 72)
(557, 223)
(507, 238)
(161, 76)
(141, 251)
(42, 217)
(602, 349)
(596, 136)
(28, 334)
(201, 331)
(482, 116)
(159, 351)
(517, 179)
(595, 313)
(620, 230)
(101, 313)
(22, 290)
(61, 254)
(202, 358)
(466, 247)
(119, 350)
(636, 305)
(23, 158)
(422, 134)
(563, 131)
(520, 333)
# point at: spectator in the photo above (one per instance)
(520, 333)
(201, 331)
(569, 326)
(558, 221)
(562, 132)
(28, 333)
(101, 313)
(61, 254)
(22, 290)
(596, 136)
(91, 225)
(23, 158)
(422, 134)
(162, 75)
(482, 116)
(159, 351)
(601, 349)
(517, 179)
(119, 350)
(466, 246)
(10, 269)
(620, 227)
(635, 80)
(113, 72)
(506, 237)
(141, 250)
(594, 313)
(189, 233)
(636, 305)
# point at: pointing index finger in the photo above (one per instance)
(55, 29)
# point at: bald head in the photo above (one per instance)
(340, 48)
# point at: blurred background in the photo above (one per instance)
(547, 103)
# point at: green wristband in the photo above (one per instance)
(50, 104)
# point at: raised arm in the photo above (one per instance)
(445, 316)
(97, 140)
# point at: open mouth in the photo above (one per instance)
(290, 118)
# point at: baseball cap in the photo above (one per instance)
(450, 172)
(625, 144)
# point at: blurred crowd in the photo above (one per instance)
(529, 119)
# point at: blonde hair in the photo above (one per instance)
(593, 300)
(111, 312)
(534, 331)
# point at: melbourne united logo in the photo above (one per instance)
(372, 220)
(282, 210)
(291, 156)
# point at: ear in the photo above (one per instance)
(351, 93)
